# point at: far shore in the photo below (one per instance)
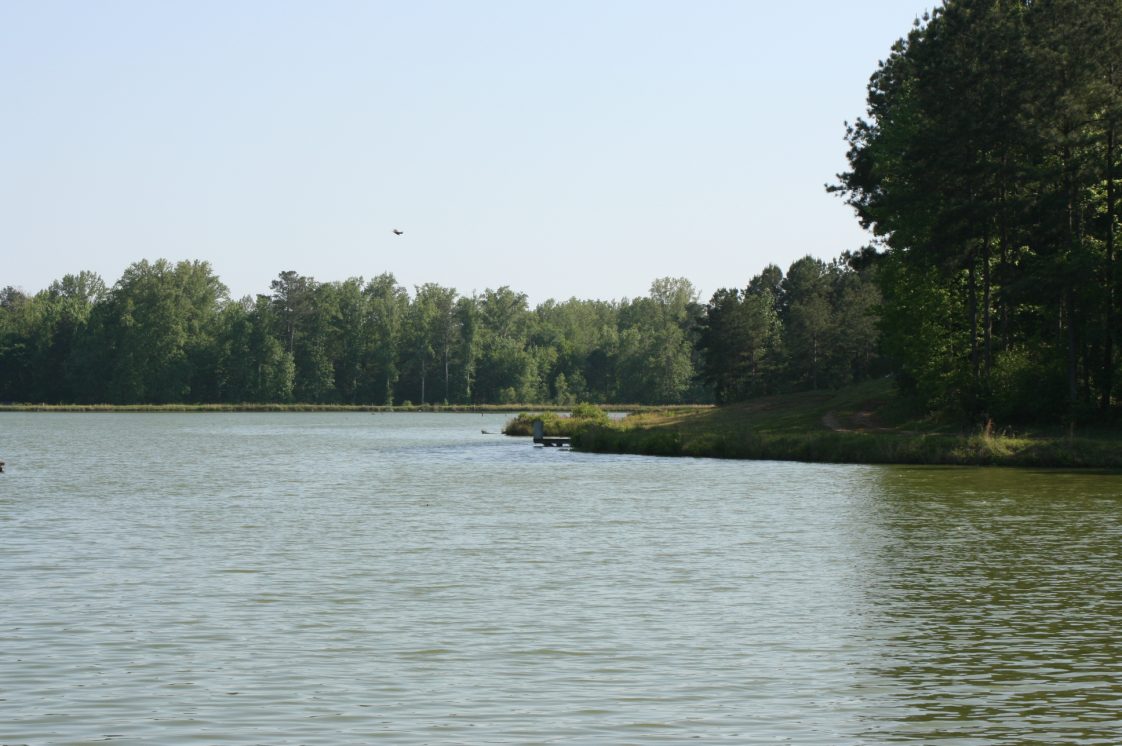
(296, 407)
(861, 425)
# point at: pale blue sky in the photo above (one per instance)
(563, 148)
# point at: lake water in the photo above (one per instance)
(404, 578)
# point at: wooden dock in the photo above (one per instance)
(550, 441)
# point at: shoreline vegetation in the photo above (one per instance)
(861, 424)
(311, 407)
(864, 424)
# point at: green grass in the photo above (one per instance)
(860, 424)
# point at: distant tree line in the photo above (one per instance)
(813, 328)
(169, 333)
(988, 165)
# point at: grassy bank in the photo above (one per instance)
(861, 424)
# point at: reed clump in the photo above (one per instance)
(558, 423)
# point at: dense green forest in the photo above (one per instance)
(168, 333)
(988, 164)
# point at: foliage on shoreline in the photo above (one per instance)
(309, 407)
(168, 333)
(862, 424)
(558, 423)
(125, 408)
(861, 448)
(988, 165)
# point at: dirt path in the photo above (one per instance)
(864, 421)
(830, 421)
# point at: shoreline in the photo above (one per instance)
(866, 423)
(815, 427)
(832, 447)
(374, 408)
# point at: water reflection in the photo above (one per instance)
(992, 602)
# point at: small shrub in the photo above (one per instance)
(590, 412)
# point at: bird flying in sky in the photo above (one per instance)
(396, 232)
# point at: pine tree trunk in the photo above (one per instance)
(972, 292)
(1072, 349)
(1069, 292)
(1004, 265)
(1108, 336)
(987, 324)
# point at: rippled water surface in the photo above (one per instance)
(347, 578)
